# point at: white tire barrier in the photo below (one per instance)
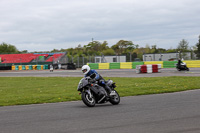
(154, 68)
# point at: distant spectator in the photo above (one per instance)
(51, 68)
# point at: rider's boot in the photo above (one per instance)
(111, 92)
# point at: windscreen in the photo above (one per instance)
(83, 82)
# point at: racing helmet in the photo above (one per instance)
(85, 69)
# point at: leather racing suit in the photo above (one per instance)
(100, 80)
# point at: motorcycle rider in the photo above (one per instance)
(88, 72)
(179, 63)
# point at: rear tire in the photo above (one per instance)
(115, 99)
(90, 102)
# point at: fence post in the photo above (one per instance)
(78, 61)
(83, 60)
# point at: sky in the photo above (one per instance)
(44, 25)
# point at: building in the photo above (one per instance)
(168, 56)
(109, 59)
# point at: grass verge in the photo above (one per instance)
(32, 90)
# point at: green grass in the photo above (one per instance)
(32, 90)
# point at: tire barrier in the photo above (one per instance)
(68, 66)
(29, 67)
(154, 68)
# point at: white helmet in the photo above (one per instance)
(85, 69)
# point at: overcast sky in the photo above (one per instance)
(42, 25)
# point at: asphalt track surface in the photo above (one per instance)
(162, 113)
(104, 73)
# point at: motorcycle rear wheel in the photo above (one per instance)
(90, 102)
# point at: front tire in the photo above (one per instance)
(186, 68)
(115, 99)
(90, 102)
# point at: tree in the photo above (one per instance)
(7, 48)
(123, 47)
(96, 47)
(140, 52)
(55, 50)
(198, 49)
(183, 47)
(154, 49)
(108, 52)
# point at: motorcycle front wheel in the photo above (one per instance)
(87, 100)
(115, 99)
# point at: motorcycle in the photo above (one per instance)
(92, 93)
(182, 66)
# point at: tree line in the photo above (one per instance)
(122, 47)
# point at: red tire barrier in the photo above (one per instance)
(143, 68)
(155, 68)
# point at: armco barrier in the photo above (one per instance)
(134, 64)
(94, 65)
(192, 63)
(114, 66)
(126, 65)
(104, 66)
(169, 64)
